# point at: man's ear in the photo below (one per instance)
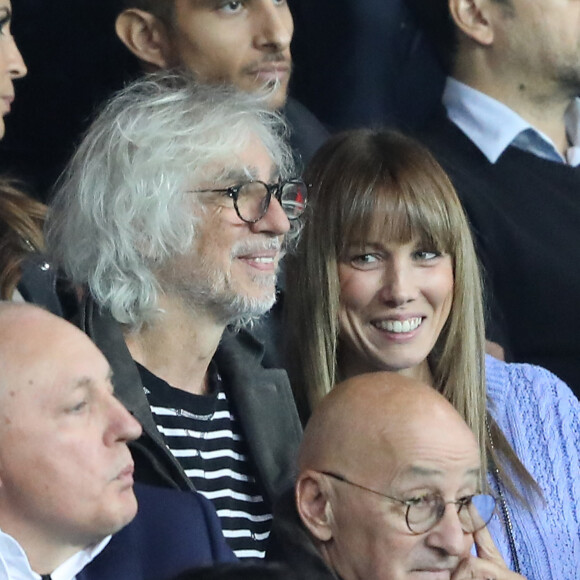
(313, 505)
(474, 19)
(146, 36)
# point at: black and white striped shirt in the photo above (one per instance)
(203, 434)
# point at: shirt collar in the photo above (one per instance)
(493, 126)
(14, 564)
(572, 119)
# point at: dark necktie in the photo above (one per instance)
(45, 577)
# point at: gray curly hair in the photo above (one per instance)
(118, 210)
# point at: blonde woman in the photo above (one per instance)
(386, 278)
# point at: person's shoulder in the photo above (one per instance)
(161, 511)
(243, 350)
(172, 531)
(240, 361)
(307, 133)
(156, 499)
(176, 518)
(438, 131)
(299, 114)
(527, 386)
(503, 377)
(540, 416)
(241, 339)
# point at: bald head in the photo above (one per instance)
(32, 338)
(65, 468)
(21, 326)
(376, 442)
(371, 410)
(16, 317)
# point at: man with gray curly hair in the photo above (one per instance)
(172, 216)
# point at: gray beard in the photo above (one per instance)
(208, 289)
(229, 307)
(214, 294)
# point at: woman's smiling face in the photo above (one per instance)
(394, 301)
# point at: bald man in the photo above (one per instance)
(66, 473)
(389, 487)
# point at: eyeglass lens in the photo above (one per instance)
(253, 200)
(293, 198)
(473, 515)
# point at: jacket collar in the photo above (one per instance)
(265, 408)
(262, 398)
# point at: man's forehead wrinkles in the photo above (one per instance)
(423, 473)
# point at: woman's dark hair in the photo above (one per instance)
(21, 220)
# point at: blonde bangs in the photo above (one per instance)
(413, 213)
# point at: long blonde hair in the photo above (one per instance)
(356, 178)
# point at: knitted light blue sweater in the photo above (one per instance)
(540, 417)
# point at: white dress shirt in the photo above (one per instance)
(493, 126)
(14, 564)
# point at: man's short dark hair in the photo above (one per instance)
(163, 9)
(434, 20)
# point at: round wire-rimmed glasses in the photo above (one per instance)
(425, 512)
(252, 198)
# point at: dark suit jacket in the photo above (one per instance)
(361, 63)
(307, 133)
(172, 532)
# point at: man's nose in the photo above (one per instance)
(274, 27)
(274, 222)
(122, 425)
(448, 536)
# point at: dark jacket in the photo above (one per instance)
(261, 398)
(307, 133)
(172, 532)
(38, 283)
(524, 213)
